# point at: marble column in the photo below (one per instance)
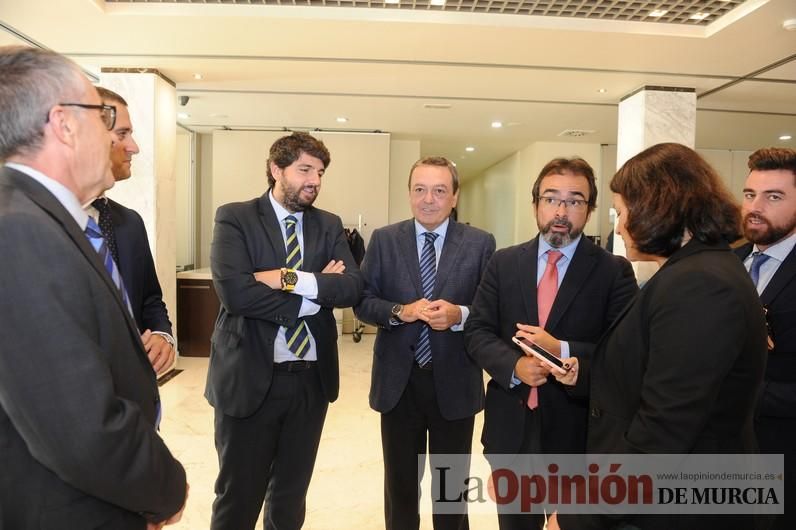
(151, 190)
(649, 116)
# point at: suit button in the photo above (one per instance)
(595, 412)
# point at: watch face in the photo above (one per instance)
(396, 309)
(291, 278)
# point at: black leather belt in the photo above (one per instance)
(293, 366)
(429, 366)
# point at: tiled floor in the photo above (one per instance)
(346, 489)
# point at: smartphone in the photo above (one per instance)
(540, 353)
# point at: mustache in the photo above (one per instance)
(559, 221)
(756, 217)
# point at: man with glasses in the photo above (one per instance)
(124, 229)
(559, 290)
(769, 223)
(78, 397)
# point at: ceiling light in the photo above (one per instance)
(602, 90)
(658, 13)
(391, 1)
(198, 77)
(785, 137)
(341, 119)
(437, 2)
(790, 24)
(469, 148)
(497, 124)
(699, 16)
(183, 115)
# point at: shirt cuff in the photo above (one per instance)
(308, 307)
(514, 381)
(465, 313)
(306, 286)
(564, 349)
(168, 338)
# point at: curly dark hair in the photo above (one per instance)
(288, 149)
(773, 158)
(668, 189)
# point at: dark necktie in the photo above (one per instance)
(758, 258)
(297, 337)
(94, 235)
(106, 225)
(428, 274)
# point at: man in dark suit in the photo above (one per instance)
(124, 229)
(279, 267)
(769, 223)
(78, 397)
(420, 278)
(585, 288)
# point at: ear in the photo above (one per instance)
(276, 171)
(61, 125)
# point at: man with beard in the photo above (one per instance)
(563, 292)
(124, 230)
(769, 223)
(279, 266)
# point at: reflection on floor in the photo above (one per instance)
(346, 489)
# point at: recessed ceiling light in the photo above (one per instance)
(197, 76)
(497, 124)
(790, 24)
(391, 1)
(437, 2)
(785, 137)
(658, 13)
(602, 90)
(183, 115)
(341, 119)
(699, 16)
(469, 148)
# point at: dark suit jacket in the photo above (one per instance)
(679, 370)
(392, 276)
(78, 397)
(247, 239)
(138, 270)
(596, 287)
(778, 397)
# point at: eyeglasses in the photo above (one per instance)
(107, 112)
(569, 204)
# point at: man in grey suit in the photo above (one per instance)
(78, 397)
(420, 278)
(279, 267)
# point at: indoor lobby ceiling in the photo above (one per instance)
(441, 76)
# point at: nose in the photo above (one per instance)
(428, 196)
(133, 148)
(314, 178)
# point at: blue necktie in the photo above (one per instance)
(106, 225)
(297, 337)
(94, 235)
(428, 273)
(758, 258)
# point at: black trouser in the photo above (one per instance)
(270, 455)
(403, 437)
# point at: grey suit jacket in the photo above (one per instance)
(392, 276)
(78, 397)
(247, 239)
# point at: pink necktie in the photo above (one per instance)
(545, 296)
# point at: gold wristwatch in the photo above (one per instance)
(289, 279)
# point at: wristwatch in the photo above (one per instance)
(289, 279)
(396, 311)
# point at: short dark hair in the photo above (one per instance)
(668, 189)
(575, 165)
(773, 158)
(288, 149)
(439, 161)
(108, 95)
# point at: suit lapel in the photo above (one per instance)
(785, 274)
(272, 229)
(450, 255)
(526, 267)
(407, 241)
(583, 261)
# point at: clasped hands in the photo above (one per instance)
(438, 314)
(534, 372)
(273, 277)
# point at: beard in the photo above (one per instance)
(559, 239)
(766, 233)
(293, 199)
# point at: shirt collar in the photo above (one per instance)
(441, 230)
(61, 192)
(780, 249)
(281, 212)
(567, 251)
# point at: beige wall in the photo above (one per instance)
(403, 153)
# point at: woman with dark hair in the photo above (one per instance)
(679, 370)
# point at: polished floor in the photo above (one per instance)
(346, 489)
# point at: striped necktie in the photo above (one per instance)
(94, 235)
(297, 337)
(428, 274)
